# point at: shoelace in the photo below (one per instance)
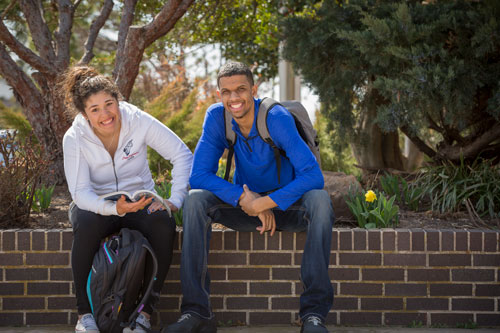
(88, 322)
(184, 317)
(314, 320)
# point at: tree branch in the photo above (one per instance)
(171, 12)
(422, 146)
(95, 27)
(125, 23)
(9, 7)
(63, 33)
(25, 53)
(40, 33)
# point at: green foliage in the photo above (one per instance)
(451, 186)
(380, 213)
(470, 325)
(21, 168)
(13, 118)
(408, 61)
(164, 190)
(416, 324)
(407, 194)
(42, 198)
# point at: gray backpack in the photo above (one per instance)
(302, 122)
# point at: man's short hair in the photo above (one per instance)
(232, 68)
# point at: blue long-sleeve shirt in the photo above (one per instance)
(254, 159)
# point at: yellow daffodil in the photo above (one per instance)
(370, 196)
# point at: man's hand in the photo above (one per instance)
(156, 205)
(123, 206)
(268, 222)
(247, 201)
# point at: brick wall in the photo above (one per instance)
(381, 277)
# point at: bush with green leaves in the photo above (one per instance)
(406, 193)
(373, 209)
(452, 187)
(42, 198)
(164, 190)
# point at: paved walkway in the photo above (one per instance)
(277, 329)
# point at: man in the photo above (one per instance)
(256, 200)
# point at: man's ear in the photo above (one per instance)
(254, 90)
(218, 94)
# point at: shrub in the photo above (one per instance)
(373, 210)
(164, 190)
(21, 167)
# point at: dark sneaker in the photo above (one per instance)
(313, 324)
(191, 323)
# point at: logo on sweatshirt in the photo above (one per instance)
(127, 150)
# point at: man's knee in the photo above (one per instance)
(197, 199)
(318, 205)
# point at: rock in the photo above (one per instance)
(337, 184)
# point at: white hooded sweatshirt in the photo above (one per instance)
(91, 172)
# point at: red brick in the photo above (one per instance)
(223, 258)
(360, 239)
(486, 319)
(228, 288)
(476, 240)
(286, 273)
(343, 274)
(258, 241)
(231, 317)
(270, 259)
(8, 240)
(11, 259)
(270, 317)
(54, 241)
(287, 240)
(417, 240)
(229, 237)
(61, 303)
(23, 241)
(47, 318)
(244, 240)
(169, 303)
(466, 304)
(451, 319)
(490, 241)
(361, 318)
(445, 289)
(403, 240)
(345, 239)
(23, 303)
(432, 240)
(67, 239)
(216, 241)
(335, 240)
(270, 288)
(404, 319)
(217, 273)
(38, 240)
(50, 259)
(362, 259)
(345, 303)
(244, 303)
(285, 303)
(176, 258)
(428, 275)
(300, 240)
(48, 288)
(405, 289)
(389, 240)
(404, 260)
(487, 290)
(248, 273)
(461, 240)
(486, 260)
(473, 275)
(383, 274)
(426, 304)
(449, 260)
(11, 289)
(172, 288)
(28, 274)
(360, 289)
(216, 303)
(374, 240)
(11, 319)
(273, 242)
(386, 303)
(447, 240)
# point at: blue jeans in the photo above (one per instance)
(312, 213)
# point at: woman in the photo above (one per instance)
(105, 150)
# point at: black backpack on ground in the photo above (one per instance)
(302, 122)
(117, 286)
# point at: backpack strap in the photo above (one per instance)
(267, 104)
(231, 140)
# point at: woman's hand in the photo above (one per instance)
(123, 206)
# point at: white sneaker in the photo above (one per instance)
(140, 320)
(86, 324)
